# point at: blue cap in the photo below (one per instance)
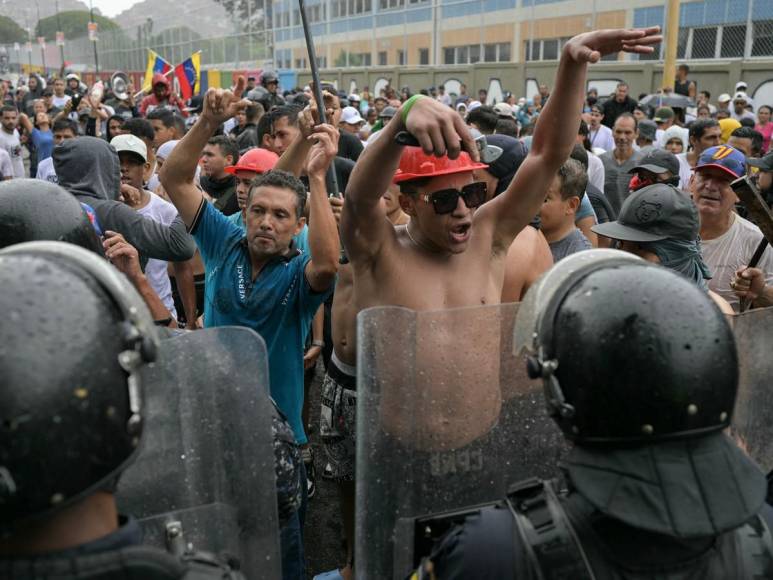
(724, 157)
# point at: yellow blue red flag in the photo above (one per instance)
(188, 74)
(156, 64)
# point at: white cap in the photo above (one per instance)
(741, 96)
(724, 98)
(740, 85)
(473, 105)
(354, 97)
(351, 116)
(132, 144)
(503, 110)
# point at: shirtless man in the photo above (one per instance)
(450, 255)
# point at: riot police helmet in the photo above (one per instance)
(35, 210)
(76, 338)
(629, 352)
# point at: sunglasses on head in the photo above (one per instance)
(446, 200)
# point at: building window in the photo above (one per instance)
(423, 56)
(474, 53)
(733, 41)
(762, 40)
(449, 55)
(533, 50)
(503, 49)
(300, 63)
(704, 42)
(550, 49)
(382, 58)
(489, 53)
(401, 58)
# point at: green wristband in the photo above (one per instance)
(408, 105)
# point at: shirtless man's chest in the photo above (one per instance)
(471, 278)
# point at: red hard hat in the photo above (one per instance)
(415, 164)
(257, 160)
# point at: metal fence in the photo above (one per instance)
(415, 33)
(125, 50)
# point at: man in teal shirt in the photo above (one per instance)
(261, 280)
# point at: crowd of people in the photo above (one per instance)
(221, 211)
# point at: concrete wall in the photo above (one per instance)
(643, 77)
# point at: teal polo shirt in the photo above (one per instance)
(279, 304)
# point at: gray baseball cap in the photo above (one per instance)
(648, 129)
(658, 161)
(653, 213)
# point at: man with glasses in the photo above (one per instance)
(451, 255)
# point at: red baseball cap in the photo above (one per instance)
(257, 160)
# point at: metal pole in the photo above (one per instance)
(96, 54)
(317, 86)
(61, 46)
(672, 38)
(249, 31)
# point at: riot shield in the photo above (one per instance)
(753, 414)
(205, 472)
(446, 418)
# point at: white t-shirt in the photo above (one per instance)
(595, 171)
(602, 138)
(60, 102)
(162, 212)
(12, 145)
(685, 171)
(731, 251)
(6, 167)
(46, 170)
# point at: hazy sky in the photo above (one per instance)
(112, 7)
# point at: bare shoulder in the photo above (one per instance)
(527, 259)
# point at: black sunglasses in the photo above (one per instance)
(446, 200)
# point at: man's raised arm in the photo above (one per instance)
(556, 129)
(180, 168)
(324, 244)
(439, 131)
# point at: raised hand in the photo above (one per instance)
(591, 46)
(323, 151)
(122, 255)
(439, 129)
(222, 104)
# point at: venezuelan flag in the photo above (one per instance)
(188, 74)
(156, 64)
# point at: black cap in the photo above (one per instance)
(763, 163)
(658, 161)
(653, 213)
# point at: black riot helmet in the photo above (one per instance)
(34, 210)
(268, 77)
(629, 352)
(74, 341)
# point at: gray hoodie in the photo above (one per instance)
(89, 168)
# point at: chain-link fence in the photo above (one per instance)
(416, 33)
(128, 50)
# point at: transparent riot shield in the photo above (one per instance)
(446, 418)
(205, 472)
(753, 414)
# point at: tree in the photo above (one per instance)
(11, 32)
(241, 11)
(74, 24)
